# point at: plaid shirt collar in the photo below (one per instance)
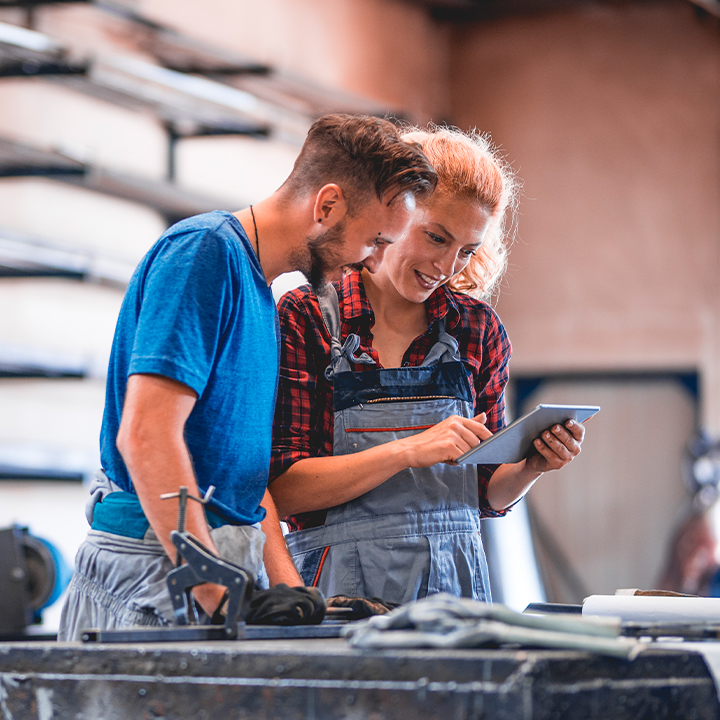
(356, 305)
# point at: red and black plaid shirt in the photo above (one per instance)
(304, 416)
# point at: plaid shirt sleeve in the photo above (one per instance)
(300, 428)
(490, 382)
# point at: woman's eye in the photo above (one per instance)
(468, 253)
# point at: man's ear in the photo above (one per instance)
(330, 206)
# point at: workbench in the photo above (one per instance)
(314, 679)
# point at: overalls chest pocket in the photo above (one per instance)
(412, 490)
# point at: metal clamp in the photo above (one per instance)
(183, 496)
(205, 567)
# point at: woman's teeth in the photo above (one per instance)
(426, 280)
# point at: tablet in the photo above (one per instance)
(514, 442)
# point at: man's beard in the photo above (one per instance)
(323, 256)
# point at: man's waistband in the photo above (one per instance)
(120, 513)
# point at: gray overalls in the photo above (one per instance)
(419, 532)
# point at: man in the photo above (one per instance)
(193, 370)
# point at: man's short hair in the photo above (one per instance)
(362, 154)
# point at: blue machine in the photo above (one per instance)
(33, 575)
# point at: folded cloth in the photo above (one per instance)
(360, 607)
(283, 605)
(444, 621)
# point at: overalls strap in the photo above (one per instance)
(445, 349)
(340, 354)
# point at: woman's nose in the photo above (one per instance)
(446, 263)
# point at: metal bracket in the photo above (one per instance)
(183, 496)
(177, 131)
(205, 567)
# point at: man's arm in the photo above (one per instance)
(278, 563)
(152, 444)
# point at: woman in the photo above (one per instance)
(388, 378)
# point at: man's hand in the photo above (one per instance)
(444, 442)
(556, 447)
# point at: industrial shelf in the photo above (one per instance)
(22, 256)
(39, 462)
(25, 362)
(284, 90)
(172, 202)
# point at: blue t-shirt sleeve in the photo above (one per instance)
(184, 310)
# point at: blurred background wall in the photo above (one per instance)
(607, 110)
(610, 114)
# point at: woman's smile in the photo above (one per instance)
(427, 282)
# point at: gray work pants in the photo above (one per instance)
(119, 582)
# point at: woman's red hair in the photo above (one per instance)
(470, 167)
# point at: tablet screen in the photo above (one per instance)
(514, 442)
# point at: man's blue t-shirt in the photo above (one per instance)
(198, 310)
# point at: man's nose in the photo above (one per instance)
(374, 260)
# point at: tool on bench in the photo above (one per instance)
(183, 496)
(203, 566)
(33, 575)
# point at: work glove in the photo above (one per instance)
(283, 605)
(360, 607)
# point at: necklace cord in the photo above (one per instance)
(257, 239)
